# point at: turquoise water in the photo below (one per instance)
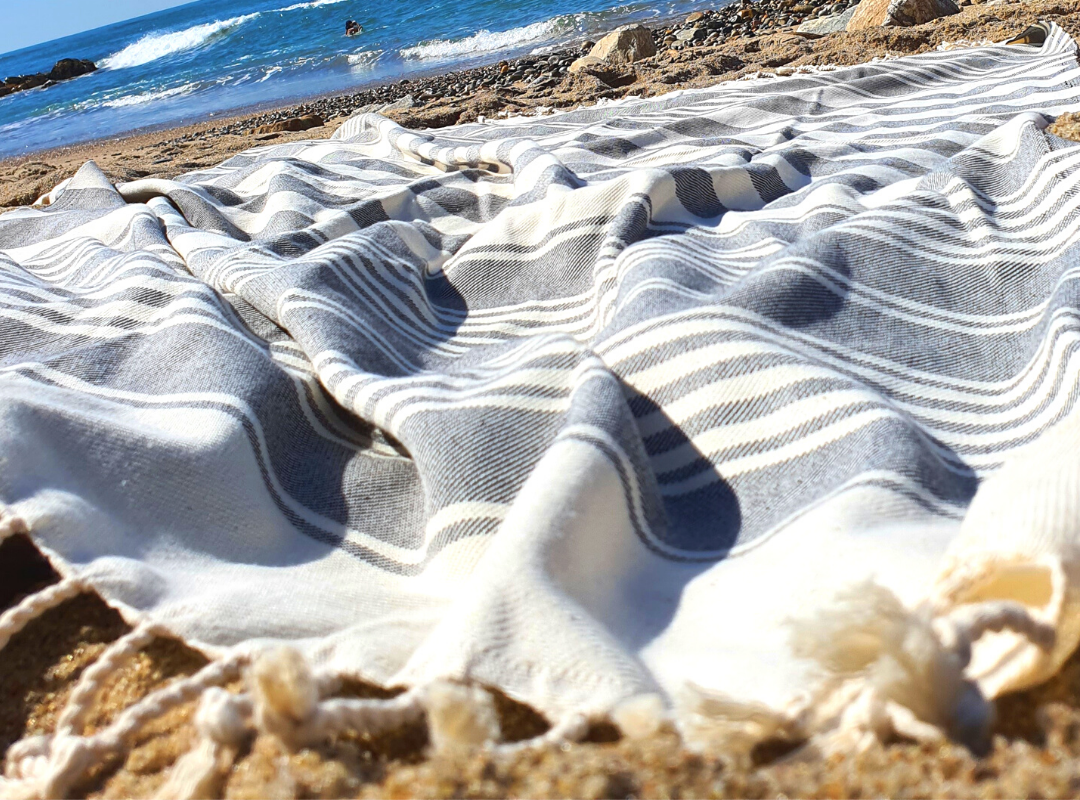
(215, 56)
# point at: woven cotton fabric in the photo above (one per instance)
(576, 406)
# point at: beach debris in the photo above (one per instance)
(900, 13)
(292, 124)
(64, 69)
(625, 45)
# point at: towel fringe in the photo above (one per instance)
(11, 523)
(46, 767)
(94, 677)
(886, 671)
(34, 605)
(283, 697)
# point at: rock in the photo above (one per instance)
(902, 13)
(587, 63)
(690, 34)
(63, 69)
(823, 26)
(294, 124)
(401, 104)
(694, 17)
(625, 45)
(67, 68)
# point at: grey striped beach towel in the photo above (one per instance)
(582, 407)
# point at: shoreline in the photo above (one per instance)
(446, 98)
(263, 109)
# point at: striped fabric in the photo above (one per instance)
(531, 401)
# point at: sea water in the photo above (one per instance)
(212, 57)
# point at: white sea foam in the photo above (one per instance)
(485, 41)
(158, 45)
(270, 72)
(312, 4)
(365, 59)
(127, 100)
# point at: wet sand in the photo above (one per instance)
(1036, 749)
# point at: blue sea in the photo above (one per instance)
(213, 57)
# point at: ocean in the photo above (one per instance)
(213, 57)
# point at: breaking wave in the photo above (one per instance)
(364, 60)
(158, 45)
(149, 97)
(312, 4)
(485, 41)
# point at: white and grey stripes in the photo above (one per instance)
(749, 299)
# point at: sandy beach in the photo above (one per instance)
(1036, 746)
(168, 153)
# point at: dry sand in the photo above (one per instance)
(1036, 750)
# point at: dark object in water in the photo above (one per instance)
(63, 70)
(352, 27)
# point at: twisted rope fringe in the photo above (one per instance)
(11, 524)
(886, 671)
(46, 767)
(33, 606)
(93, 677)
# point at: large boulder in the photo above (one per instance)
(71, 68)
(63, 69)
(902, 13)
(31, 81)
(625, 45)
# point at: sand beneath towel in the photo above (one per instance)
(1036, 751)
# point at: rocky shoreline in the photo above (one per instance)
(63, 70)
(525, 76)
(707, 47)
